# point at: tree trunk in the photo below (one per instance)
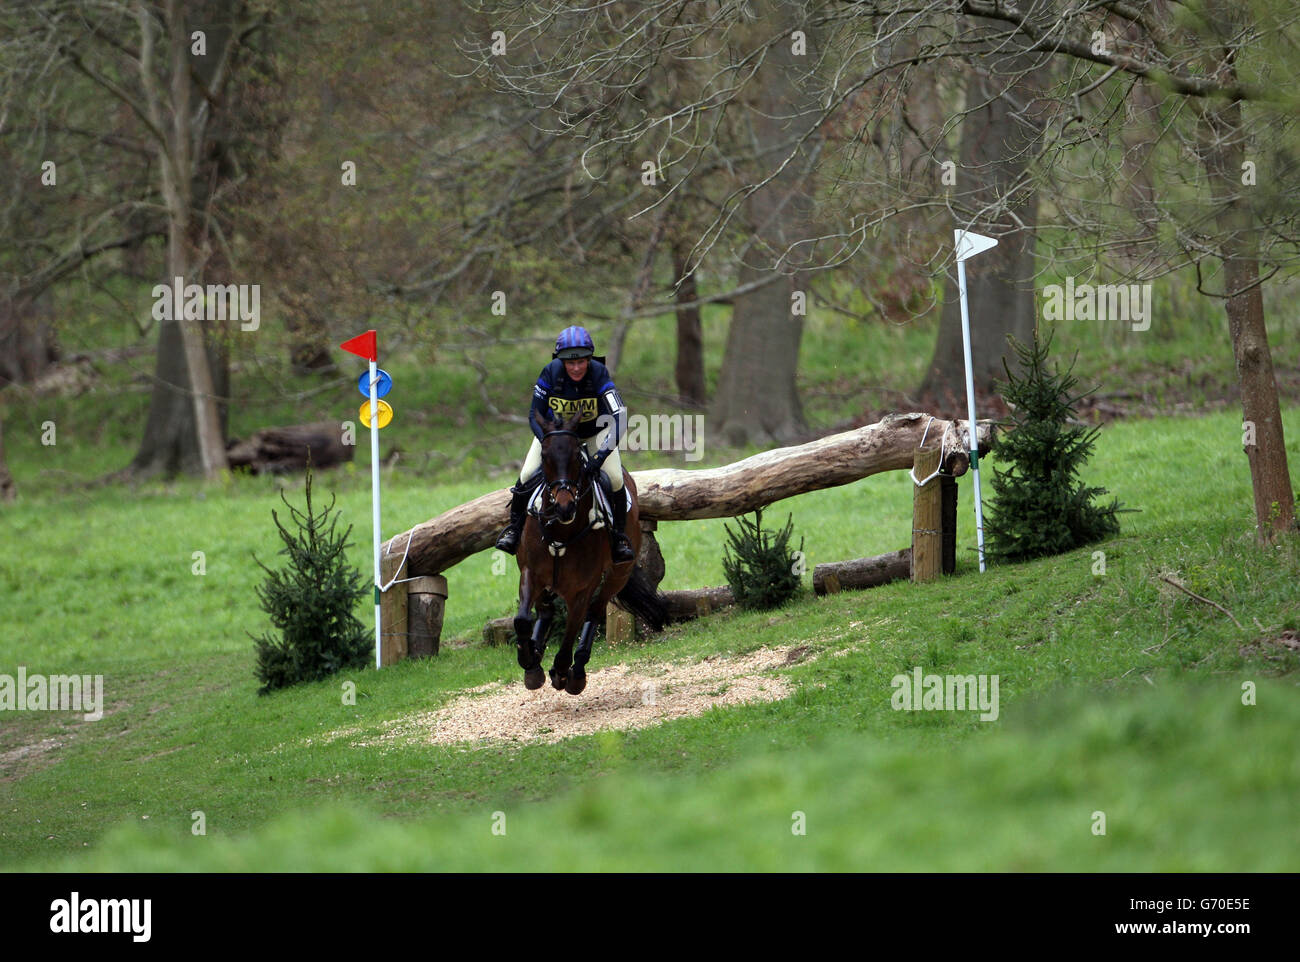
(169, 445)
(310, 350)
(690, 332)
(995, 148)
(1269, 474)
(1223, 152)
(183, 410)
(27, 343)
(757, 401)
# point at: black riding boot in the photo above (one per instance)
(620, 547)
(509, 540)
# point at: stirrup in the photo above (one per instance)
(621, 549)
(509, 540)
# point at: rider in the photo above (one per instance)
(575, 382)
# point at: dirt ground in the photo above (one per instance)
(617, 697)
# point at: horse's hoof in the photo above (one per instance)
(534, 677)
(558, 681)
(577, 681)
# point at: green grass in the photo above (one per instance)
(1186, 778)
(184, 730)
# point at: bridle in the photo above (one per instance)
(563, 484)
(556, 546)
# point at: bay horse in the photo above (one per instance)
(563, 555)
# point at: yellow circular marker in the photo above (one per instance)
(385, 414)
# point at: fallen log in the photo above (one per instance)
(284, 449)
(834, 576)
(673, 494)
(696, 602)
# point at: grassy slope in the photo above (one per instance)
(1187, 778)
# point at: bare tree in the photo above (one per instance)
(171, 118)
(167, 68)
(79, 184)
(1209, 88)
(1001, 128)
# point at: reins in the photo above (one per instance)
(584, 487)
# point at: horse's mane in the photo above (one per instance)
(567, 424)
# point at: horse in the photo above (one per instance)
(563, 555)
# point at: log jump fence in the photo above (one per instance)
(935, 451)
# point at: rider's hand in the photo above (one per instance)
(598, 462)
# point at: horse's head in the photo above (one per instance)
(562, 451)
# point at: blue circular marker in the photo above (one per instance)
(383, 383)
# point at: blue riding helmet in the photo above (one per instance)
(573, 342)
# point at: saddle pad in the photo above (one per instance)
(601, 509)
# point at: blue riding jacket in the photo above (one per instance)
(557, 396)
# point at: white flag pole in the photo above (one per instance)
(374, 490)
(969, 244)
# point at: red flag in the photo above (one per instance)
(365, 345)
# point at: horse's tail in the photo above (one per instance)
(640, 597)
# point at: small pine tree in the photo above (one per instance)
(761, 574)
(1039, 505)
(311, 603)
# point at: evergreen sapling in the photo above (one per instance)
(1039, 505)
(311, 602)
(762, 573)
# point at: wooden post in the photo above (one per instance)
(620, 626)
(499, 631)
(650, 559)
(927, 516)
(949, 498)
(392, 614)
(426, 603)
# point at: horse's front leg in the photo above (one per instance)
(582, 653)
(528, 647)
(564, 657)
